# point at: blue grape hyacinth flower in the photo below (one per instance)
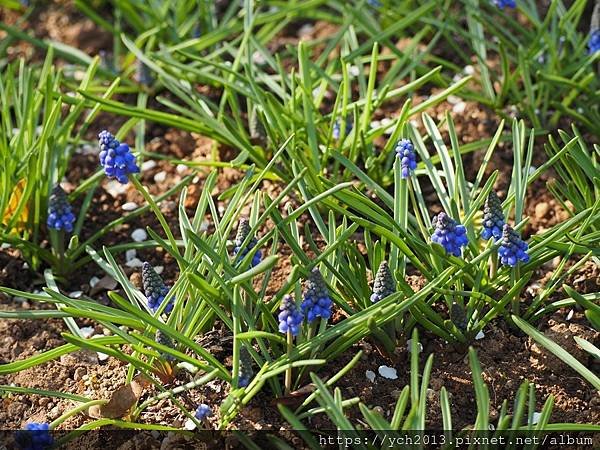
(513, 249)
(337, 129)
(203, 412)
(408, 158)
(60, 215)
(155, 289)
(493, 217)
(245, 373)
(35, 436)
(594, 42)
(449, 234)
(505, 4)
(242, 233)
(290, 318)
(116, 158)
(384, 284)
(317, 302)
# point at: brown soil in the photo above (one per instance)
(507, 358)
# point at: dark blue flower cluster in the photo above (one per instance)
(493, 217)
(242, 233)
(203, 411)
(384, 284)
(337, 129)
(245, 373)
(513, 249)
(449, 234)
(164, 339)
(594, 42)
(406, 152)
(290, 318)
(35, 436)
(374, 3)
(60, 216)
(505, 4)
(154, 288)
(317, 302)
(116, 158)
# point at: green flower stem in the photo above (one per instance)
(76, 410)
(288, 371)
(159, 215)
(397, 261)
(236, 342)
(493, 264)
(514, 277)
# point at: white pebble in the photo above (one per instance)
(258, 58)
(536, 418)
(130, 254)
(160, 176)
(76, 294)
(388, 372)
(570, 315)
(87, 331)
(94, 281)
(459, 108)
(453, 99)
(354, 71)
(469, 69)
(129, 206)
(370, 376)
(148, 165)
(139, 235)
(480, 336)
(181, 168)
(102, 356)
(375, 124)
(114, 188)
(135, 262)
(159, 269)
(189, 425)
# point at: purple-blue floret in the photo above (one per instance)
(60, 215)
(155, 289)
(408, 158)
(35, 436)
(290, 318)
(203, 411)
(505, 4)
(317, 302)
(449, 234)
(594, 42)
(116, 158)
(493, 217)
(513, 249)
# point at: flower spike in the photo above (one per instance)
(290, 318)
(60, 215)
(154, 288)
(513, 248)
(449, 234)
(317, 302)
(493, 217)
(116, 158)
(384, 284)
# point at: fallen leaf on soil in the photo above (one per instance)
(121, 400)
(294, 397)
(104, 284)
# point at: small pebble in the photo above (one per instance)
(114, 188)
(76, 294)
(130, 254)
(94, 281)
(129, 206)
(139, 235)
(181, 168)
(148, 165)
(570, 315)
(459, 108)
(159, 269)
(87, 331)
(388, 372)
(479, 336)
(370, 375)
(160, 177)
(409, 346)
(135, 262)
